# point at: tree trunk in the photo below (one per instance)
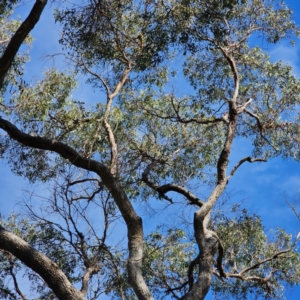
(202, 285)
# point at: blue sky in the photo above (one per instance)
(263, 187)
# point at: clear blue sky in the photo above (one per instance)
(263, 187)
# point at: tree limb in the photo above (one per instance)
(254, 266)
(249, 159)
(163, 189)
(220, 257)
(41, 264)
(192, 265)
(202, 285)
(261, 127)
(111, 136)
(19, 37)
(4, 41)
(241, 108)
(85, 279)
(132, 220)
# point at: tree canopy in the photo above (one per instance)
(141, 140)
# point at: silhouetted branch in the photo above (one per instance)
(19, 37)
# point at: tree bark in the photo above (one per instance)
(19, 37)
(132, 220)
(41, 264)
(207, 244)
(202, 285)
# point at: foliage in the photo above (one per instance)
(8, 26)
(45, 238)
(247, 244)
(106, 157)
(6, 5)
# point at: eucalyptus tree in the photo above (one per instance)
(143, 138)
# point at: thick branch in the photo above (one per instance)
(241, 108)
(122, 82)
(41, 264)
(84, 180)
(202, 285)
(19, 37)
(232, 118)
(259, 124)
(235, 73)
(132, 220)
(113, 148)
(192, 265)
(85, 279)
(180, 190)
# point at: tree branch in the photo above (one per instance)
(192, 265)
(242, 108)
(293, 207)
(264, 261)
(249, 159)
(122, 82)
(220, 257)
(163, 189)
(41, 264)
(19, 37)
(4, 41)
(132, 220)
(82, 181)
(96, 75)
(180, 190)
(201, 286)
(261, 127)
(259, 124)
(111, 136)
(85, 279)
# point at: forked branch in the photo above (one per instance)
(132, 220)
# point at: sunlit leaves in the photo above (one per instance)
(142, 54)
(171, 250)
(113, 32)
(6, 6)
(48, 96)
(246, 245)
